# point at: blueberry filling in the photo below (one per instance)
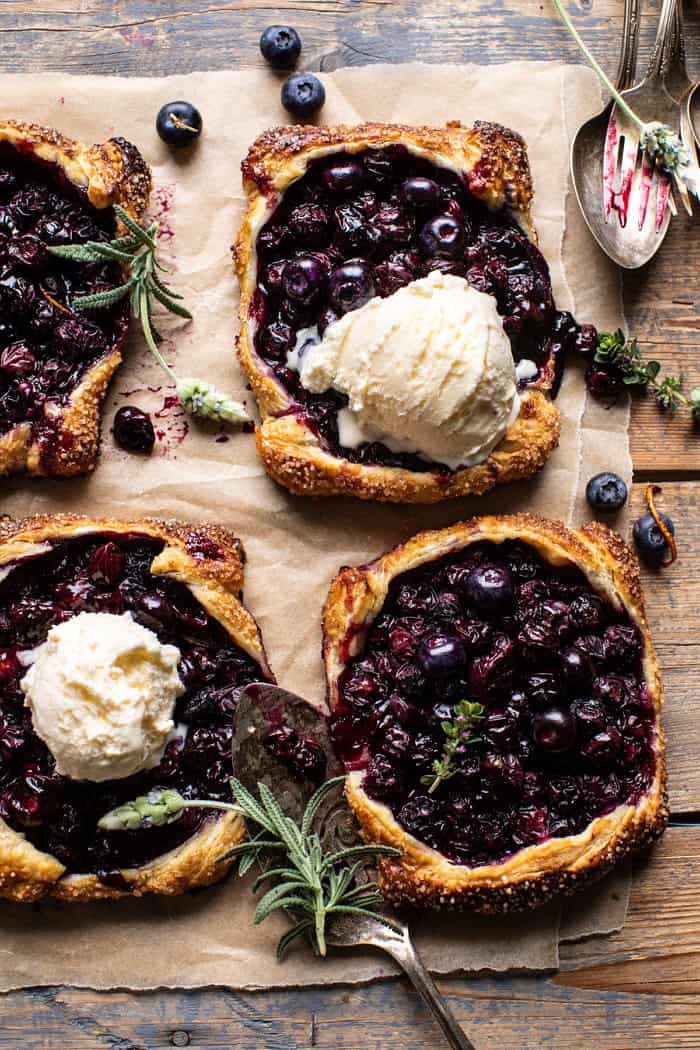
(46, 346)
(567, 729)
(111, 573)
(367, 224)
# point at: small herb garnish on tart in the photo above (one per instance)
(312, 886)
(459, 733)
(136, 252)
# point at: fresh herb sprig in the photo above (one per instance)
(312, 886)
(459, 733)
(625, 356)
(136, 252)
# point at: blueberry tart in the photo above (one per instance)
(56, 361)
(123, 648)
(496, 700)
(397, 322)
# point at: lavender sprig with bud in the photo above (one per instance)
(659, 141)
(136, 252)
(459, 733)
(159, 807)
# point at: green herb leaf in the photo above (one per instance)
(465, 715)
(100, 299)
(626, 359)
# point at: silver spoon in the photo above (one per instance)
(627, 245)
(588, 143)
(260, 706)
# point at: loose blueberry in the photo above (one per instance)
(179, 123)
(554, 730)
(280, 46)
(606, 492)
(133, 429)
(302, 279)
(441, 655)
(443, 236)
(303, 94)
(585, 341)
(577, 669)
(489, 588)
(350, 285)
(649, 539)
(420, 192)
(604, 383)
(344, 176)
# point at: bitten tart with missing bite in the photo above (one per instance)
(397, 321)
(56, 360)
(123, 645)
(496, 700)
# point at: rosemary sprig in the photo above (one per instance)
(136, 252)
(625, 357)
(459, 734)
(313, 887)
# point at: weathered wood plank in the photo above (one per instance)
(638, 985)
(151, 38)
(672, 605)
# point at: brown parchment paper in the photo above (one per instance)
(295, 546)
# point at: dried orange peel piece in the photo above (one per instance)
(652, 491)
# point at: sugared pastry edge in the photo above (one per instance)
(111, 172)
(495, 162)
(533, 875)
(27, 874)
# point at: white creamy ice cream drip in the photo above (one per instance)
(427, 370)
(101, 690)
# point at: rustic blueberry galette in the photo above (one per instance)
(56, 361)
(123, 645)
(496, 700)
(397, 322)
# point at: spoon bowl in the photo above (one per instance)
(629, 244)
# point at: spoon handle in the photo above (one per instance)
(666, 34)
(627, 66)
(405, 954)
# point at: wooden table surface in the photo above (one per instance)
(641, 987)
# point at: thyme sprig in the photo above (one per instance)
(136, 252)
(661, 143)
(311, 885)
(459, 734)
(625, 356)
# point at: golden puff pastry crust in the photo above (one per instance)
(26, 874)
(494, 161)
(108, 173)
(530, 877)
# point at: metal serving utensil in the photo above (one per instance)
(587, 147)
(628, 214)
(262, 706)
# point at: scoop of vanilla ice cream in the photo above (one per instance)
(102, 690)
(429, 370)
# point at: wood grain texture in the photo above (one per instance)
(639, 987)
(636, 988)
